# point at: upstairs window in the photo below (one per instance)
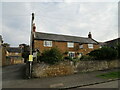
(48, 43)
(90, 45)
(80, 46)
(70, 44)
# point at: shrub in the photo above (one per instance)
(87, 57)
(104, 53)
(51, 56)
(118, 50)
(68, 58)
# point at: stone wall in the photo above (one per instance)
(44, 70)
(85, 66)
(67, 67)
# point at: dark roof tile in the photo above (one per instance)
(13, 49)
(57, 37)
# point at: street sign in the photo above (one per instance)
(30, 57)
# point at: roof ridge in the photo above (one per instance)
(63, 35)
(60, 37)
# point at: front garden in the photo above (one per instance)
(54, 63)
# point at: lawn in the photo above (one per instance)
(112, 75)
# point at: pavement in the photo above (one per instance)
(12, 77)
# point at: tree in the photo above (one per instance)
(118, 50)
(104, 53)
(25, 51)
(6, 45)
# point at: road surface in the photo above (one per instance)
(12, 77)
(112, 84)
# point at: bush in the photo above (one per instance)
(87, 57)
(118, 50)
(104, 53)
(68, 58)
(51, 56)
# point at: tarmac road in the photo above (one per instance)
(112, 84)
(12, 77)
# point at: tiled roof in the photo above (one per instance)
(113, 42)
(66, 38)
(13, 49)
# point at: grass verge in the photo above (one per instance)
(111, 75)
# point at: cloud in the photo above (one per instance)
(76, 19)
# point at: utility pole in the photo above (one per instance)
(31, 39)
(29, 64)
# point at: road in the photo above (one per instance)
(112, 84)
(12, 77)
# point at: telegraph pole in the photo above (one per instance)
(31, 49)
(31, 39)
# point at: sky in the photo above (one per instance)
(58, 17)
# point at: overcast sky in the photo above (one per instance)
(69, 18)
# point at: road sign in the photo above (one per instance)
(30, 57)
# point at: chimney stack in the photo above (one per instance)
(89, 35)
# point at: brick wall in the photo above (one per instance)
(38, 44)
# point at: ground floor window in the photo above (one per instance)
(71, 54)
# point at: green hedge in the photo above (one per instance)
(104, 53)
(51, 56)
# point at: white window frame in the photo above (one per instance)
(16, 53)
(47, 43)
(81, 46)
(70, 44)
(90, 45)
(72, 56)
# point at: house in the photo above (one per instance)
(14, 55)
(2, 53)
(112, 43)
(1, 41)
(72, 44)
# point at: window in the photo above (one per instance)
(70, 44)
(48, 43)
(90, 45)
(71, 54)
(81, 46)
(16, 53)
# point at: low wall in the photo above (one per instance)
(44, 70)
(67, 67)
(85, 66)
(11, 61)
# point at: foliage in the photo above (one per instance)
(87, 57)
(104, 53)
(115, 74)
(68, 58)
(66, 52)
(118, 50)
(51, 56)
(25, 51)
(6, 45)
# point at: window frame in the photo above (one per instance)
(91, 46)
(47, 43)
(81, 46)
(70, 44)
(71, 55)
